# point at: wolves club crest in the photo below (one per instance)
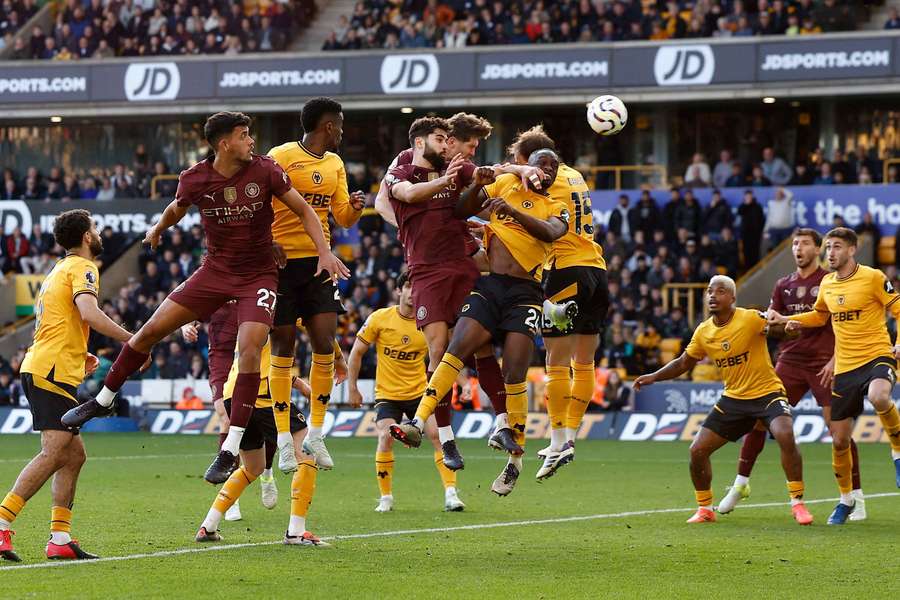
(726, 346)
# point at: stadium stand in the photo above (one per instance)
(461, 23)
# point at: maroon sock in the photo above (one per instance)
(754, 442)
(855, 473)
(128, 361)
(491, 381)
(243, 398)
(222, 437)
(270, 453)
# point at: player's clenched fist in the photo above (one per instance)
(499, 207)
(483, 176)
(358, 200)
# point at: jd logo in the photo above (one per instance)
(152, 81)
(14, 213)
(405, 73)
(684, 65)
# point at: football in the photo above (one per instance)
(607, 115)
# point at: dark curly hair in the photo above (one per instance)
(70, 227)
(223, 123)
(315, 109)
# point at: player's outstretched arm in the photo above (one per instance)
(411, 193)
(383, 205)
(98, 320)
(675, 368)
(171, 216)
(354, 363)
(313, 227)
(544, 230)
(472, 200)
(812, 318)
(526, 173)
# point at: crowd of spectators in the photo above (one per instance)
(102, 29)
(461, 23)
(13, 16)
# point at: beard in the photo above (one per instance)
(437, 161)
(96, 247)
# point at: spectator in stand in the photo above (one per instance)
(869, 227)
(717, 216)
(620, 219)
(780, 220)
(753, 220)
(697, 173)
(722, 170)
(737, 178)
(758, 178)
(774, 168)
(616, 395)
(688, 214)
(189, 400)
(668, 213)
(15, 247)
(727, 252)
(825, 176)
(645, 215)
(893, 21)
(840, 165)
(802, 175)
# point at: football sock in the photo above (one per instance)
(280, 386)
(270, 454)
(60, 525)
(243, 399)
(854, 452)
(128, 361)
(582, 393)
(741, 480)
(439, 385)
(890, 420)
(320, 383)
(795, 491)
(267, 473)
(557, 439)
(842, 463)
(571, 434)
(754, 442)
(517, 404)
(559, 388)
(490, 379)
(384, 470)
(502, 418)
(303, 485)
(10, 508)
(233, 439)
(448, 477)
(226, 497)
(704, 497)
(516, 461)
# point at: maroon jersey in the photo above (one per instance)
(236, 212)
(429, 232)
(792, 295)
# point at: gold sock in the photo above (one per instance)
(11, 506)
(795, 490)
(440, 383)
(890, 421)
(582, 393)
(320, 383)
(280, 387)
(303, 485)
(384, 469)
(559, 389)
(61, 519)
(517, 409)
(232, 489)
(704, 497)
(842, 463)
(448, 477)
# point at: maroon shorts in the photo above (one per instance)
(209, 288)
(438, 291)
(798, 380)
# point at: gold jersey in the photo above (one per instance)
(60, 336)
(263, 396)
(577, 247)
(856, 305)
(739, 351)
(322, 182)
(530, 252)
(401, 348)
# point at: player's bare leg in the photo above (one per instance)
(252, 337)
(321, 329)
(517, 351)
(303, 486)
(168, 318)
(490, 377)
(782, 429)
(705, 443)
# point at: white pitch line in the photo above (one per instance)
(359, 536)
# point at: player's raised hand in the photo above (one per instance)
(91, 363)
(499, 207)
(279, 254)
(484, 176)
(533, 175)
(335, 267)
(453, 168)
(355, 397)
(190, 332)
(774, 318)
(152, 237)
(643, 381)
(358, 200)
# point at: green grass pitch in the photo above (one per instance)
(141, 494)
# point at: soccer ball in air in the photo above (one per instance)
(607, 115)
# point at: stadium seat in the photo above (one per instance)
(887, 251)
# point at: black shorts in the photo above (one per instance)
(48, 406)
(587, 286)
(396, 409)
(302, 294)
(261, 428)
(850, 388)
(732, 419)
(502, 303)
